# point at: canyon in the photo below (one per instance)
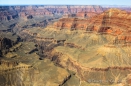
(65, 45)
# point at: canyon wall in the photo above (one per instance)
(86, 11)
(11, 12)
(107, 22)
(96, 48)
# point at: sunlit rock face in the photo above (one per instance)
(90, 50)
(107, 22)
(97, 48)
(113, 28)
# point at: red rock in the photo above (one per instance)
(71, 23)
(113, 21)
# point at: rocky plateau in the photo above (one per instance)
(65, 46)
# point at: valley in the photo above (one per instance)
(65, 46)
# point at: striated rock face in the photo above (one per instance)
(90, 12)
(95, 70)
(107, 22)
(113, 22)
(110, 21)
(9, 13)
(87, 11)
(96, 49)
(71, 24)
(86, 14)
(91, 56)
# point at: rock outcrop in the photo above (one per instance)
(5, 44)
(86, 14)
(91, 47)
(96, 49)
(87, 11)
(6, 14)
(71, 24)
(9, 13)
(19, 67)
(107, 22)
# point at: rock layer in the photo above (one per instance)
(96, 49)
(11, 12)
(92, 48)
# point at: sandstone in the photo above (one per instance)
(107, 22)
(90, 55)
(70, 52)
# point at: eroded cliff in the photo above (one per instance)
(91, 51)
(96, 49)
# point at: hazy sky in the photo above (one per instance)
(65, 2)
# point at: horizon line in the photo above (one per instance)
(57, 5)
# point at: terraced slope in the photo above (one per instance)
(19, 67)
(100, 54)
